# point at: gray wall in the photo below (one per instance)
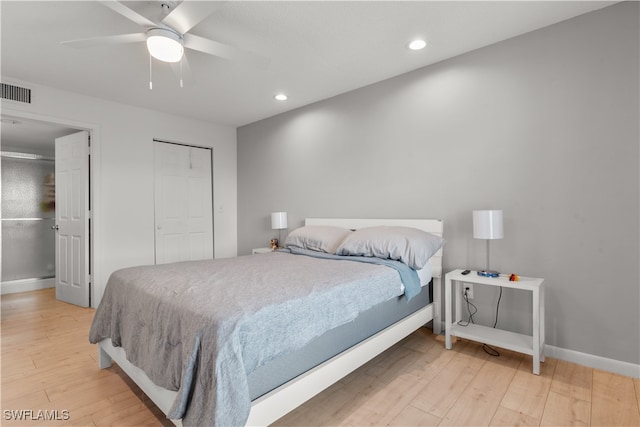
(543, 126)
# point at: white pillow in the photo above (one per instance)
(411, 246)
(319, 238)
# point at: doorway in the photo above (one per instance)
(28, 214)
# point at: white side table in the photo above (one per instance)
(527, 344)
(255, 251)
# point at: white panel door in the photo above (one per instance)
(72, 218)
(183, 203)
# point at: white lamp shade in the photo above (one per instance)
(487, 224)
(278, 220)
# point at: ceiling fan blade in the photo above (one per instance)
(106, 40)
(224, 51)
(189, 13)
(130, 14)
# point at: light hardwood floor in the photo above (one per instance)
(48, 364)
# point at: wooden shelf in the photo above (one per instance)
(497, 337)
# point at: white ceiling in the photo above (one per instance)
(317, 49)
(30, 136)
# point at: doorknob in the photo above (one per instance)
(55, 227)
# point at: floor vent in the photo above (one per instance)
(16, 93)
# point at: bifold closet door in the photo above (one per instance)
(183, 203)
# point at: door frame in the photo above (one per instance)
(95, 227)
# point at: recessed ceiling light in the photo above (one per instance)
(281, 97)
(417, 44)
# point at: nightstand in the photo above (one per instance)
(260, 251)
(527, 344)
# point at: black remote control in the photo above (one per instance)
(466, 272)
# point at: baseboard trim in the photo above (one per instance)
(15, 286)
(610, 365)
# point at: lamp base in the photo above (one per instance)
(488, 273)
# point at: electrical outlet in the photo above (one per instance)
(468, 287)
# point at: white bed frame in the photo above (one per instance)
(275, 404)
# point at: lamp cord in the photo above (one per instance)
(491, 351)
(487, 348)
(470, 305)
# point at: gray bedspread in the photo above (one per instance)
(201, 327)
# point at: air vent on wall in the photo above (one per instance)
(16, 93)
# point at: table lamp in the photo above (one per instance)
(487, 224)
(278, 222)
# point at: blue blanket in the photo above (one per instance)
(408, 275)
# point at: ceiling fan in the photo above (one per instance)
(167, 38)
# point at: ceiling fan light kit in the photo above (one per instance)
(168, 37)
(165, 45)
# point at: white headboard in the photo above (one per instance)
(433, 226)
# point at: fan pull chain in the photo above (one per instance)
(181, 59)
(150, 75)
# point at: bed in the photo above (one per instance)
(326, 358)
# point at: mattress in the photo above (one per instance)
(333, 342)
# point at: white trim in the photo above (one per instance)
(25, 285)
(592, 361)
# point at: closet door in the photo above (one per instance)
(183, 203)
